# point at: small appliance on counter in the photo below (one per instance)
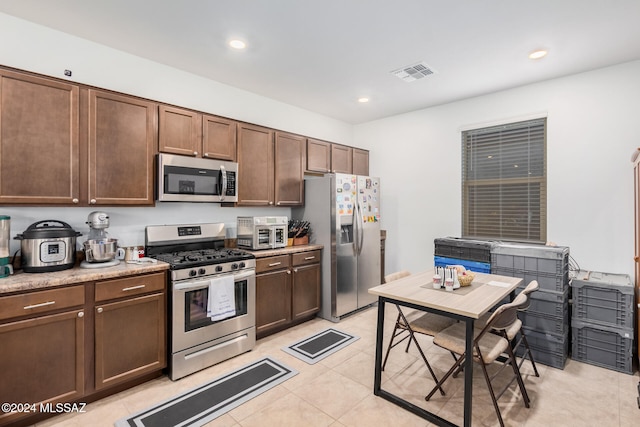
(262, 232)
(99, 249)
(5, 234)
(48, 245)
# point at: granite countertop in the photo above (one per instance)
(285, 251)
(21, 282)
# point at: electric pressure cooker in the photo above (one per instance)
(48, 245)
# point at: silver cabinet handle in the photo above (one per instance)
(131, 288)
(270, 203)
(273, 264)
(295, 270)
(100, 309)
(205, 155)
(75, 200)
(81, 314)
(288, 271)
(278, 203)
(42, 304)
(309, 257)
(195, 153)
(92, 201)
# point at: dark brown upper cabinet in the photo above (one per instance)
(121, 149)
(39, 140)
(341, 159)
(289, 169)
(189, 133)
(360, 161)
(318, 156)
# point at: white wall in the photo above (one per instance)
(592, 123)
(35, 48)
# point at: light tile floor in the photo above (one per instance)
(337, 391)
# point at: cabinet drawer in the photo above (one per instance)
(303, 258)
(40, 302)
(272, 263)
(129, 286)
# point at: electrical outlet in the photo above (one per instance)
(67, 73)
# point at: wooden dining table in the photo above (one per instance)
(465, 304)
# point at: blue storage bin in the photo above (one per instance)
(478, 267)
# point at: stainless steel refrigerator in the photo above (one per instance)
(344, 212)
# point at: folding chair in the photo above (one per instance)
(487, 347)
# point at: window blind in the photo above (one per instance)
(504, 188)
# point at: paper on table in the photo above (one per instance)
(501, 284)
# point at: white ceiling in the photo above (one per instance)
(322, 55)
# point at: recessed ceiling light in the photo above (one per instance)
(363, 100)
(237, 44)
(537, 54)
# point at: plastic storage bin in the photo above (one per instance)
(603, 298)
(544, 323)
(602, 345)
(544, 259)
(546, 303)
(554, 283)
(479, 267)
(472, 250)
(548, 349)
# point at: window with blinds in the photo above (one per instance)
(504, 182)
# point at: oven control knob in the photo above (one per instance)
(202, 271)
(242, 264)
(218, 268)
(234, 266)
(192, 273)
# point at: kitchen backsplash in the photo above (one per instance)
(127, 223)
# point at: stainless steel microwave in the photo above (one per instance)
(190, 179)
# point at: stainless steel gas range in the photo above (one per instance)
(213, 295)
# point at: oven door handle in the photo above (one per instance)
(187, 286)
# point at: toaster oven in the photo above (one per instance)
(262, 232)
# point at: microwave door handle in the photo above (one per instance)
(223, 187)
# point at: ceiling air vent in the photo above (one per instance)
(413, 72)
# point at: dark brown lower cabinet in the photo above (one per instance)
(129, 339)
(287, 290)
(80, 343)
(273, 301)
(42, 361)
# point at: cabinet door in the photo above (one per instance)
(39, 140)
(306, 291)
(289, 169)
(219, 138)
(255, 164)
(122, 140)
(130, 339)
(42, 360)
(180, 131)
(318, 156)
(360, 162)
(341, 159)
(273, 301)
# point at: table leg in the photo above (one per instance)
(377, 381)
(468, 373)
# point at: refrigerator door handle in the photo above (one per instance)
(360, 229)
(354, 221)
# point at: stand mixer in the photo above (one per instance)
(99, 249)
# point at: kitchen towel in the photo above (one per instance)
(222, 300)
